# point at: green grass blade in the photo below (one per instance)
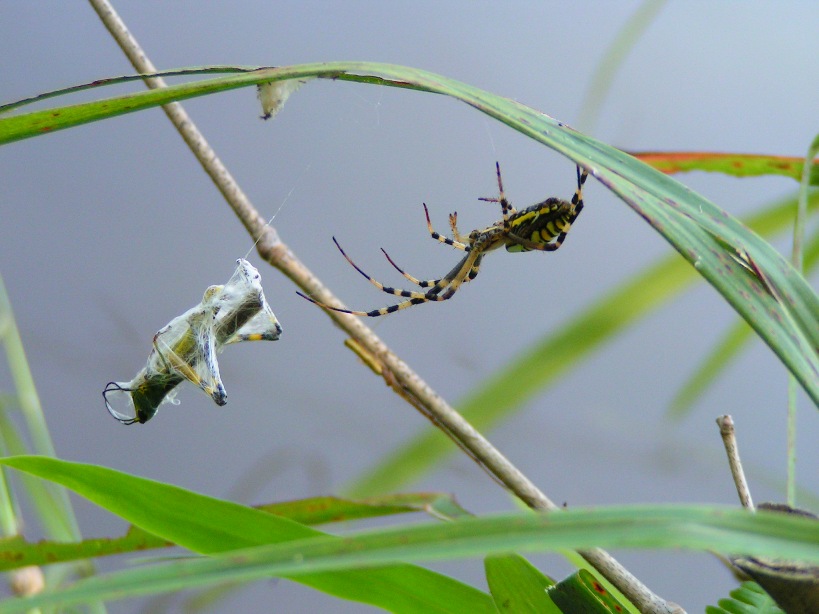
(723, 353)
(41, 494)
(321, 510)
(797, 259)
(37, 123)
(517, 586)
(688, 527)
(718, 359)
(9, 523)
(612, 60)
(54, 509)
(734, 165)
(16, 552)
(179, 72)
(207, 525)
(583, 592)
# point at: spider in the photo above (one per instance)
(540, 227)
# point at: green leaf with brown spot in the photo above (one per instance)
(733, 164)
(581, 592)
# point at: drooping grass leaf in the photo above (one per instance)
(207, 525)
(315, 558)
(724, 351)
(51, 502)
(99, 83)
(17, 552)
(733, 164)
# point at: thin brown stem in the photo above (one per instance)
(395, 372)
(729, 440)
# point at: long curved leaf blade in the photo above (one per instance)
(207, 525)
(16, 552)
(690, 527)
(724, 351)
(74, 89)
(733, 164)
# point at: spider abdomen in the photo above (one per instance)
(539, 224)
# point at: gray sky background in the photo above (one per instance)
(110, 230)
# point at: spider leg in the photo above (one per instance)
(414, 298)
(427, 283)
(453, 224)
(424, 283)
(460, 241)
(378, 284)
(457, 243)
(577, 199)
(374, 313)
(465, 270)
(506, 207)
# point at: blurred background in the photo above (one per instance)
(109, 230)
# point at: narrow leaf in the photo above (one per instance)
(734, 164)
(725, 350)
(517, 586)
(207, 525)
(583, 592)
(16, 552)
(762, 533)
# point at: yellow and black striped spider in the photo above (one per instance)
(540, 227)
